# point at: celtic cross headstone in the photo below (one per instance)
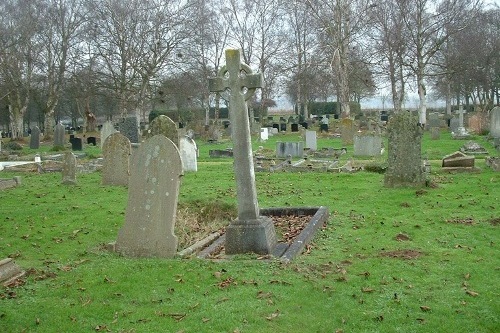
(250, 232)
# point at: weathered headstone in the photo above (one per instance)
(435, 133)
(116, 153)
(495, 122)
(59, 136)
(457, 160)
(106, 130)
(69, 169)
(189, 154)
(454, 124)
(165, 126)
(152, 201)
(35, 138)
(130, 128)
(367, 145)
(347, 130)
(404, 152)
(294, 127)
(434, 120)
(311, 140)
(292, 149)
(250, 232)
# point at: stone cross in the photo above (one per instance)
(461, 112)
(251, 232)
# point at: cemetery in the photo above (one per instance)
(155, 179)
(89, 249)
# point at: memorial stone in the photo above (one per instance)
(289, 149)
(59, 135)
(189, 154)
(495, 122)
(106, 130)
(347, 131)
(264, 134)
(250, 232)
(311, 140)
(130, 128)
(35, 138)
(404, 161)
(367, 145)
(165, 126)
(116, 153)
(69, 169)
(152, 201)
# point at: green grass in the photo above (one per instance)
(343, 283)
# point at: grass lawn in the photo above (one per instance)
(389, 260)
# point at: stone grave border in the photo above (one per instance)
(283, 251)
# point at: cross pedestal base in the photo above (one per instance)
(257, 236)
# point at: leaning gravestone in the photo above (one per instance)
(495, 122)
(404, 152)
(59, 135)
(152, 201)
(165, 126)
(130, 128)
(250, 232)
(35, 138)
(106, 130)
(116, 153)
(69, 169)
(189, 154)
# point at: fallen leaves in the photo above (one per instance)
(425, 308)
(471, 293)
(273, 315)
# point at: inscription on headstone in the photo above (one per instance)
(189, 154)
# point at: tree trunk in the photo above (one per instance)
(422, 107)
(16, 123)
(50, 123)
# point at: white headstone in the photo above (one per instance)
(106, 130)
(264, 133)
(311, 140)
(189, 154)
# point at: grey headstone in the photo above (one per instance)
(106, 130)
(293, 149)
(189, 154)
(59, 136)
(454, 124)
(165, 126)
(434, 120)
(404, 161)
(367, 145)
(116, 153)
(152, 201)
(130, 128)
(435, 133)
(35, 138)
(311, 140)
(69, 169)
(495, 122)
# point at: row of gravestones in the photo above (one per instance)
(59, 139)
(118, 157)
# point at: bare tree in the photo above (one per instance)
(134, 41)
(19, 50)
(388, 35)
(62, 24)
(429, 28)
(340, 24)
